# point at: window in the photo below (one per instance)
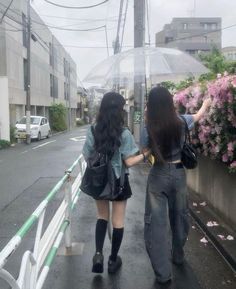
(25, 74)
(50, 54)
(185, 26)
(55, 87)
(209, 26)
(169, 39)
(191, 51)
(65, 90)
(55, 57)
(65, 67)
(213, 26)
(24, 26)
(68, 91)
(51, 85)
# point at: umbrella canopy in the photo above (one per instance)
(154, 63)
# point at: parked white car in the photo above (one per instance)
(39, 128)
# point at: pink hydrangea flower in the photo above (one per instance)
(233, 165)
(225, 158)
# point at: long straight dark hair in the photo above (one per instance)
(163, 124)
(110, 123)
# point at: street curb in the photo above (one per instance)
(226, 248)
(59, 132)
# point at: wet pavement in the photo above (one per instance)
(74, 272)
(204, 267)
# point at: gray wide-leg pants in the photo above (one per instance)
(166, 218)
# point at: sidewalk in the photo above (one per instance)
(204, 267)
(74, 272)
(222, 236)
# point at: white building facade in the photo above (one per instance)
(229, 53)
(53, 71)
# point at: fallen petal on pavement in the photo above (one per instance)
(230, 238)
(222, 237)
(204, 240)
(203, 204)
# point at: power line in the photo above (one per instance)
(75, 7)
(54, 27)
(148, 22)
(117, 41)
(16, 29)
(8, 7)
(123, 30)
(69, 29)
(112, 18)
(106, 35)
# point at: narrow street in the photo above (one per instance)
(29, 172)
(24, 165)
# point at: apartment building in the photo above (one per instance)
(229, 52)
(191, 34)
(53, 71)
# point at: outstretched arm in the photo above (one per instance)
(206, 103)
(134, 160)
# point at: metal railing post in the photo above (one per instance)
(68, 215)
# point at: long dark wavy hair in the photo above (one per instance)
(163, 124)
(110, 123)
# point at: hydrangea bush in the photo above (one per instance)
(215, 134)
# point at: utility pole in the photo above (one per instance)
(28, 109)
(139, 41)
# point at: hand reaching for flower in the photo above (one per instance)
(207, 102)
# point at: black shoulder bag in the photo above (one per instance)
(99, 180)
(188, 152)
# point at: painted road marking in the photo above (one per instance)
(24, 152)
(78, 138)
(44, 144)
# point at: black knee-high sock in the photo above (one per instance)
(117, 237)
(100, 233)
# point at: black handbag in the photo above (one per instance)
(99, 180)
(188, 152)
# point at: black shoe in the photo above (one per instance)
(164, 284)
(113, 266)
(97, 263)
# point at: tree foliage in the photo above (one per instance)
(57, 115)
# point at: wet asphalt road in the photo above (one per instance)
(27, 173)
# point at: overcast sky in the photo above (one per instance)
(161, 12)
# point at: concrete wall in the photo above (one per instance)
(12, 56)
(3, 66)
(215, 184)
(4, 110)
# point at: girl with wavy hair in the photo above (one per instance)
(110, 137)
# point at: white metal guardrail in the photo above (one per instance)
(36, 264)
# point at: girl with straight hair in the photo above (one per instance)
(166, 207)
(112, 138)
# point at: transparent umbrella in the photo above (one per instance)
(154, 63)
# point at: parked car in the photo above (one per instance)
(39, 128)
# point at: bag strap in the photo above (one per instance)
(187, 133)
(93, 130)
(122, 176)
